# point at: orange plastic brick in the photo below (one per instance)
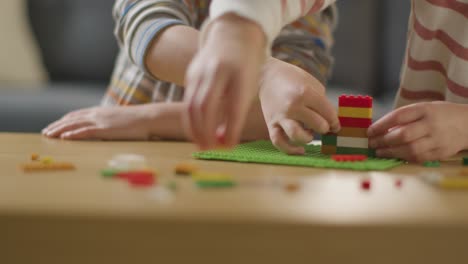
(353, 132)
(185, 169)
(292, 187)
(463, 172)
(57, 166)
(35, 157)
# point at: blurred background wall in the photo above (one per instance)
(71, 43)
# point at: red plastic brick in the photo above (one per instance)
(366, 184)
(355, 101)
(398, 183)
(345, 158)
(355, 122)
(128, 174)
(141, 179)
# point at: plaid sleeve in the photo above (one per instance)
(138, 22)
(307, 43)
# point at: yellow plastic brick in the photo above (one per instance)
(355, 112)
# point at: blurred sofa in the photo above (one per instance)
(78, 50)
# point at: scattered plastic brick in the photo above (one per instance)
(47, 160)
(212, 180)
(465, 161)
(463, 172)
(292, 187)
(431, 164)
(453, 182)
(349, 158)
(35, 157)
(128, 174)
(366, 184)
(172, 185)
(140, 179)
(215, 184)
(109, 173)
(398, 183)
(128, 162)
(37, 167)
(185, 169)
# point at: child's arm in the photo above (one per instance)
(229, 61)
(158, 36)
(421, 132)
(293, 98)
(271, 16)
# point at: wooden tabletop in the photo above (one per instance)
(80, 217)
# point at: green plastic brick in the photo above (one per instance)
(329, 139)
(465, 161)
(172, 185)
(360, 151)
(265, 152)
(215, 184)
(109, 173)
(433, 164)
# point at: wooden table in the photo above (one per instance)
(79, 217)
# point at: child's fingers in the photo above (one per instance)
(414, 151)
(190, 116)
(398, 117)
(280, 140)
(88, 132)
(68, 117)
(400, 135)
(320, 104)
(209, 104)
(55, 124)
(295, 132)
(67, 126)
(313, 120)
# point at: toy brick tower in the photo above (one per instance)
(355, 114)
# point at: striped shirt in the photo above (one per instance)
(436, 59)
(305, 42)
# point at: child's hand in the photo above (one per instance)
(226, 66)
(294, 103)
(108, 123)
(421, 132)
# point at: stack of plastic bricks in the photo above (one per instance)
(355, 114)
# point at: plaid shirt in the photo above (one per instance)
(305, 43)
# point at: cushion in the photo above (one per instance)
(19, 55)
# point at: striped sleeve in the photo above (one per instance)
(307, 43)
(271, 16)
(436, 59)
(138, 22)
